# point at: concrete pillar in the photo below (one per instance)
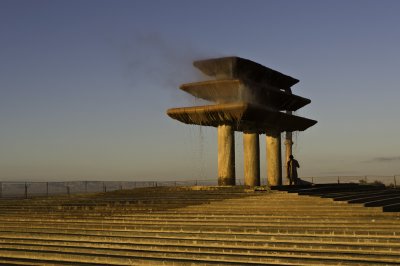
(288, 151)
(274, 158)
(251, 153)
(288, 145)
(226, 156)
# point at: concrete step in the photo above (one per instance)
(196, 219)
(124, 242)
(383, 202)
(252, 200)
(353, 195)
(4, 261)
(392, 207)
(276, 212)
(210, 254)
(293, 230)
(115, 225)
(371, 198)
(197, 228)
(375, 240)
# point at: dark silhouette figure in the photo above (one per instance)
(291, 168)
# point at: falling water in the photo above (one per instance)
(202, 159)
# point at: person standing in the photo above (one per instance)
(291, 168)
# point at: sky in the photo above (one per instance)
(85, 85)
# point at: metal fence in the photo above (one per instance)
(33, 189)
(392, 180)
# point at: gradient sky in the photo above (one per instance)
(84, 85)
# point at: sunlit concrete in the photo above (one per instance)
(288, 152)
(274, 158)
(226, 155)
(246, 97)
(251, 153)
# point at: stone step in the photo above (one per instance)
(269, 206)
(371, 198)
(104, 224)
(115, 255)
(293, 244)
(392, 208)
(383, 202)
(117, 202)
(4, 261)
(374, 240)
(252, 200)
(362, 213)
(16, 257)
(351, 196)
(379, 221)
(201, 208)
(163, 226)
(300, 230)
(266, 205)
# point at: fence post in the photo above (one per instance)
(120, 186)
(394, 179)
(104, 187)
(47, 189)
(312, 180)
(338, 179)
(26, 190)
(68, 190)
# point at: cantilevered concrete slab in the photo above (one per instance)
(234, 90)
(242, 116)
(239, 68)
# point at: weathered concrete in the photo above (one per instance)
(226, 156)
(251, 153)
(288, 146)
(288, 152)
(243, 116)
(246, 96)
(274, 158)
(231, 226)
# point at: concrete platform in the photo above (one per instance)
(225, 226)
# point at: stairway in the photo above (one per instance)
(196, 226)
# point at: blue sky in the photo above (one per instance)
(84, 85)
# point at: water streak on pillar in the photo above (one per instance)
(251, 150)
(226, 155)
(274, 158)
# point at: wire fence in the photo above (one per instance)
(392, 180)
(33, 189)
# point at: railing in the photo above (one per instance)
(392, 180)
(32, 189)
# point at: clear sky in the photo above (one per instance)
(84, 85)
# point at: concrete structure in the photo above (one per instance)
(251, 154)
(200, 226)
(274, 158)
(226, 155)
(250, 98)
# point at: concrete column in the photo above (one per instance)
(226, 156)
(288, 151)
(251, 152)
(274, 158)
